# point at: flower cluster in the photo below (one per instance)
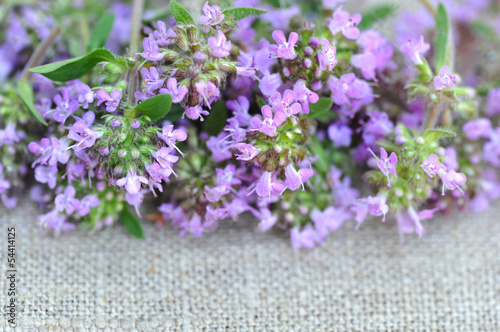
(250, 110)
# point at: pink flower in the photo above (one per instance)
(326, 56)
(444, 79)
(213, 15)
(177, 93)
(165, 158)
(269, 124)
(286, 105)
(170, 136)
(112, 101)
(132, 182)
(386, 164)
(83, 135)
(219, 46)
(344, 23)
(431, 165)
(304, 95)
(413, 50)
(452, 180)
(269, 84)
(151, 51)
(284, 49)
(208, 92)
(248, 151)
(296, 179)
(163, 36)
(376, 206)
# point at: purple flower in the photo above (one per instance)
(378, 126)
(212, 217)
(83, 135)
(163, 36)
(208, 92)
(248, 151)
(66, 201)
(240, 109)
(367, 63)
(431, 165)
(444, 79)
(50, 151)
(112, 101)
(85, 94)
(340, 134)
(46, 174)
(9, 135)
(269, 124)
(177, 93)
(295, 179)
(413, 50)
(267, 219)
(343, 22)
(219, 46)
(493, 102)
(215, 194)
(330, 219)
(450, 158)
(165, 158)
(279, 18)
(331, 4)
(132, 182)
(87, 202)
(151, 79)
(409, 221)
(219, 147)
(55, 221)
(195, 112)
(451, 180)
(348, 87)
(326, 56)
(286, 105)
(305, 238)
(284, 49)
(213, 15)
(170, 136)
(386, 164)
(269, 84)
(65, 106)
(376, 206)
(264, 186)
(227, 177)
(477, 128)
(151, 50)
(304, 95)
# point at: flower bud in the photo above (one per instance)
(135, 124)
(192, 34)
(122, 153)
(314, 42)
(104, 150)
(116, 123)
(307, 63)
(199, 57)
(135, 153)
(308, 51)
(112, 68)
(118, 170)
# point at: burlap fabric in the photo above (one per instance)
(239, 279)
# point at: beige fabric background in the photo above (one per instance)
(239, 279)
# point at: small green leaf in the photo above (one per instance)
(180, 14)
(132, 223)
(322, 106)
(101, 31)
(443, 42)
(433, 135)
(25, 93)
(321, 165)
(242, 12)
(71, 69)
(376, 14)
(216, 120)
(156, 107)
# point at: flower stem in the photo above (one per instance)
(135, 31)
(431, 120)
(429, 7)
(40, 51)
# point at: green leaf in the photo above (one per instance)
(242, 12)
(483, 90)
(180, 14)
(71, 69)
(322, 106)
(321, 165)
(433, 135)
(483, 29)
(156, 107)
(260, 101)
(132, 223)
(25, 93)
(101, 31)
(443, 42)
(216, 120)
(376, 14)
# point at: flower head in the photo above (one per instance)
(132, 182)
(163, 36)
(213, 15)
(444, 79)
(343, 22)
(269, 124)
(284, 49)
(111, 100)
(151, 51)
(286, 105)
(431, 165)
(386, 164)
(177, 92)
(219, 46)
(304, 95)
(413, 50)
(326, 56)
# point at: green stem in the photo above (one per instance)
(136, 25)
(40, 51)
(431, 120)
(429, 7)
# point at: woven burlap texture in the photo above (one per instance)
(239, 279)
